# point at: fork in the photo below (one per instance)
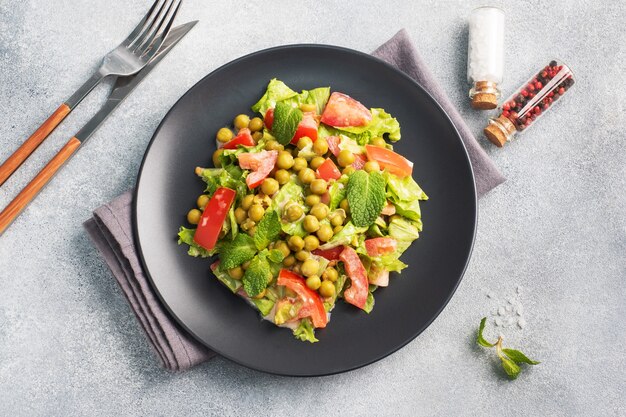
(128, 58)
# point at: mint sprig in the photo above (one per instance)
(286, 120)
(510, 358)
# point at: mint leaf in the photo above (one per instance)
(366, 197)
(519, 357)
(240, 250)
(257, 276)
(267, 230)
(480, 340)
(510, 367)
(286, 120)
(275, 256)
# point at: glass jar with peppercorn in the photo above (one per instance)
(529, 102)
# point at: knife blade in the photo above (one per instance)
(125, 85)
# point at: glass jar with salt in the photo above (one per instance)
(485, 56)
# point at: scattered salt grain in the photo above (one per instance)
(519, 289)
(501, 311)
(498, 321)
(521, 323)
(490, 295)
(519, 310)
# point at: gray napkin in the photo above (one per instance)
(111, 229)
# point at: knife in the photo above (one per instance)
(122, 88)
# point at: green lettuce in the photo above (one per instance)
(404, 232)
(345, 236)
(382, 123)
(279, 91)
(232, 177)
(290, 193)
(405, 194)
(264, 305)
(305, 331)
(224, 278)
(185, 236)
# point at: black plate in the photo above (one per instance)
(167, 188)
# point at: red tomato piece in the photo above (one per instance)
(389, 160)
(244, 137)
(328, 170)
(269, 118)
(333, 144)
(357, 293)
(261, 164)
(359, 161)
(313, 306)
(213, 217)
(330, 254)
(343, 111)
(306, 127)
(380, 245)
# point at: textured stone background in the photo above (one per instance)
(69, 344)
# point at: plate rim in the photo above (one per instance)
(379, 61)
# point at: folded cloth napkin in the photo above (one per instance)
(111, 229)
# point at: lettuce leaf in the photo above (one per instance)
(276, 91)
(264, 305)
(224, 278)
(345, 236)
(185, 236)
(305, 331)
(290, 192)
(382, 123)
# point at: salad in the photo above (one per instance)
(306, 204)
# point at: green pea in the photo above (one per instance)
(316, 162)
(257, 136)
(310, 267)
(330, 274)
(282, 176)
(202, 201)
(337, 229)
(345, 158)
(294, 212)
(289, 261)
(256, 212)
(299, 164)
(311, 224)
(269, 186)
(283, 247)
(344, 205)
(303, 142)
(285, 160)
(306, 175)
(246, 202)
(311, 243)
(327, 289)
(320, 211)
(193, 216)
(325, 233)
(296, 243)
(302, 255)
(255, 124)
(240, 215)
(378, 141)
(241, 121)
(307, 107)
(349, 170)
(371, 166)
(319, 186)
(236, 273)
(313, 282)
(272, 145)
(224, 135)
(216, 158)
(320, 146)
(312, 200)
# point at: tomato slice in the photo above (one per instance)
(330, 254)
(244, 137)
(333, 144)
(328, 170)
(269, 118)
(389, 160)
(261, 164)
(380, 245)
(357, 293)
(313, 306)
(343, 111)
(213, 217)
(359, 161)
(306, 127)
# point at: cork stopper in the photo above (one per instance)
(484, 95)
(499, 130)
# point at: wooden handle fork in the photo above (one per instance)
(19, 156)
(29, 192)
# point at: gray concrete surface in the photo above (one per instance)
(70, 346)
